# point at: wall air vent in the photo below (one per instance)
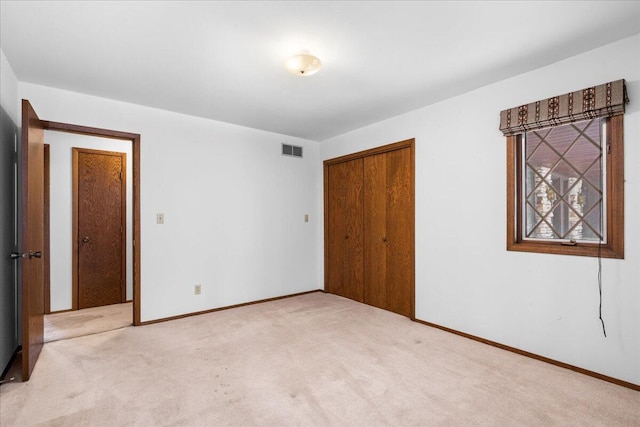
(291, 150)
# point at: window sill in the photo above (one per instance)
(579, 249)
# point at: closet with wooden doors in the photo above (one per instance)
(369, 227)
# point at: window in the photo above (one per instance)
(563, 186)
(565, 181)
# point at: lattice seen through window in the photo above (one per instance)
(564, 182)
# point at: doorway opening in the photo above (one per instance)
(88, 235)
(124, 304)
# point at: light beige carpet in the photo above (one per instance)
(315, 359)
(59, 326)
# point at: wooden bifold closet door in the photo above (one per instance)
(345, 236)
(369, 227)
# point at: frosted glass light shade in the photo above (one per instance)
(303, 64)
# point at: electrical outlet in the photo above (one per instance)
(160, 218)
(197, 289)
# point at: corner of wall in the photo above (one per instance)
(8, 88)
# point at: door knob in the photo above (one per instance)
(86, 239)
(30, 254)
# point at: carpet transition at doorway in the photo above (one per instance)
(71, 324)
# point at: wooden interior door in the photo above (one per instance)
(32, 177)
(345, 221)
(99, 227)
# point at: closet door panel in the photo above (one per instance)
(345, 254)
(369, 227)
(399, 226)
(375, 230)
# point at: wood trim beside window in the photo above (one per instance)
(614, 248)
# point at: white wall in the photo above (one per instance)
(8, 88)
(465, 278)
(61, 144)
(234, 207)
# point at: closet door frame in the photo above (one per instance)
(409, 143)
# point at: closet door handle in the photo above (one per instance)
(384, 239)
(346, 237)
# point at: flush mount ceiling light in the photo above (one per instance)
(303, 64)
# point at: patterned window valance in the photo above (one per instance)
(605, 100)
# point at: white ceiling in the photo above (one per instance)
(224, 60)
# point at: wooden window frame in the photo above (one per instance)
(614, 247)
